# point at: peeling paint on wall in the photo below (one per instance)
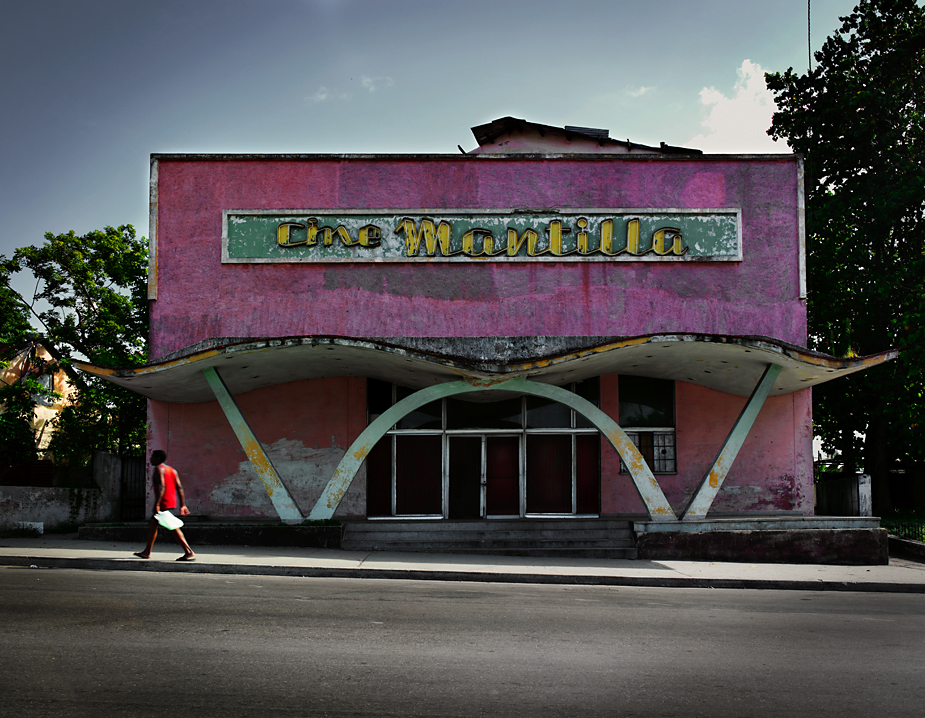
(304, 470)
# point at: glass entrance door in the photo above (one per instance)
(465, 477)
(484, 476)
(502, 476)
(510, 458)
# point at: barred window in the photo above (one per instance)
(647, 415)
(657, 448)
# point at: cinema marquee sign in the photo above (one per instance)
(440, 235)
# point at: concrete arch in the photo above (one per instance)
(649, 491)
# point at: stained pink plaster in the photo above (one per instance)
(773, 471)
(320, 416)
(200, 298)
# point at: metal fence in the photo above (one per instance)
(914, 530)
(133, 489)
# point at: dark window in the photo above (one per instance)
(419, 464)
(378, 397)
(647, 403)
(379, 479)
(547, 414)
(463, 414)
(549, 474)
(429, 416)
(502, 475)
(587, 473)
(589, 389)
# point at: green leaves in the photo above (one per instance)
(859, 119)
(95, 287)
(90, 303)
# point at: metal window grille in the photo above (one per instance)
(657, 448)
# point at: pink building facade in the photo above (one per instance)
(615, 333)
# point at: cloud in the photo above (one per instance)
(370, 84)
(738, 124)
(374, 83)
(324, 94)
(638, 91)
(321, 95)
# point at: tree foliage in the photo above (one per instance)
(91, 304)
(17, 440)
(857, 118)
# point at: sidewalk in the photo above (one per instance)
(66, 551)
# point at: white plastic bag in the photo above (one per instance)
(168, 520)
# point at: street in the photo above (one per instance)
(96, 643)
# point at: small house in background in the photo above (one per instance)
(557, 343)
(31, 361)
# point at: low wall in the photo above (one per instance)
(861, 546)
(908, 549)
(53, 506)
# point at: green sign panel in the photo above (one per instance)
(611, 235)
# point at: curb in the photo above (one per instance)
(156, 566)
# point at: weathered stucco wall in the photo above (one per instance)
(307, 426)
(199, 298)
(304, 426)
(773, 471)
(62, 506)
(53, 506)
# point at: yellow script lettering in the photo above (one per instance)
(555, 239)
(488, 243)
(632, 237)
(284, 234)
(667, 240)
(514, 244)
(431, 235)
(370, 236)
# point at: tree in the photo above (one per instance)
(91, 303)
(858, 120)
(17, 440)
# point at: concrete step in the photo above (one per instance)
(623, 553)
(474, 525)
(488, 534)
(436, 545)
(591, 538)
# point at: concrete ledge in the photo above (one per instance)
(907, 548)
(224, 535)
(759, 523)
(830, 546)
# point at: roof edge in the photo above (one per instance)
(167, 156)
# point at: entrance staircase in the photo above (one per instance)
(567, 538)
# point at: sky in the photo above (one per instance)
(90, 88)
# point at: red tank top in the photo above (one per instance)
(169, 477)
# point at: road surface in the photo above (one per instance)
(97, 643)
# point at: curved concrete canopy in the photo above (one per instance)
(731, 364)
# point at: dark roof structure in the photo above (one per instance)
(488, 133)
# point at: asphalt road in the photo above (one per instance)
(95, 643)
